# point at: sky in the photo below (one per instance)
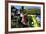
(18, 7)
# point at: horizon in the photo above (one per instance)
(28, 7)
